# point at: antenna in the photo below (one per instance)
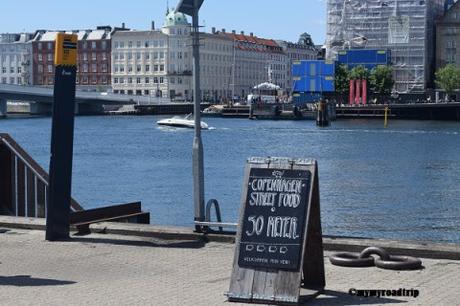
(167, 7)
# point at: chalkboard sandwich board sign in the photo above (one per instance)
(279, 243)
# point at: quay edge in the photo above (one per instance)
(450, 251)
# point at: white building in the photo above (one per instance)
(159, 63)
(15, 59)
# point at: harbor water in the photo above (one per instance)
(402, 182)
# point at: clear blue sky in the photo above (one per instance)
(285, 19)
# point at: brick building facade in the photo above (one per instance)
(94, 58)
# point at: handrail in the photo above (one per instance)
(33, 166)
(17, 154)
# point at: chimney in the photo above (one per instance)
(123, 26)
(213, 30)
(153, 26)
(223, 30)
(233, 31)
(242, 32)
(252, 34)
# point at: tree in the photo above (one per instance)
(359, 73)
(448, 78)
(381, 80)
(342, 81)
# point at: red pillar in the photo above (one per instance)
(364, 92)
(352, 92)
(358, 91)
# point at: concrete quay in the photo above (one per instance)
(115, 269)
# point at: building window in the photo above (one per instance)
(172, 80)
(85, 45)
(147, 80)
(138, 68)
(146, 44)
(155, 55)
(130, 44)
(19, 70)
(122, 44)
(155, 80)
(94, 67)
(130, 80)
(104, 67)
(40, 57)
(40, 69)
(11, 69)
(161, 80)
(147, 68)
(138, 55)
(104, 79)
(130, 68)
(116, 45)
(104, 56)
(85, 67)
(162, 67)
(130, 56)
(94, 79)
(115, 80)
(93, 45)
(40, 46)
(147, 56)
(94, 56)
(138, 44)
(138, 80)
(104, 45)
(50, 68)
(50, 46)
(155, 67)
(50, 57)
(85, 56)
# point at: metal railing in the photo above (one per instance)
(23, 183)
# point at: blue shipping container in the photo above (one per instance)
(302, 98)
(364, 57)
(312, 68)
(314, 84)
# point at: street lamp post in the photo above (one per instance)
(191, 8)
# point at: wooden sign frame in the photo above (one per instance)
(276, 286)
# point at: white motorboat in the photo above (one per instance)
(187, 122)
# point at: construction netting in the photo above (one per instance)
(406, 27)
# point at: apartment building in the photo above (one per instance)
(15, 59)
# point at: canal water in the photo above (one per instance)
(402, 182)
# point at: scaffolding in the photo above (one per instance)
(406, 27)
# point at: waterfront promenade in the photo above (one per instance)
(105, 269)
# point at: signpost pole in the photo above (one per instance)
(60, 174)
(191, 8)
(198, 169)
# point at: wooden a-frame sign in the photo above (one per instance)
(279, 246)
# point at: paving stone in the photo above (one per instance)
(116, 270)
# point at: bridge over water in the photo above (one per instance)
(41, 99)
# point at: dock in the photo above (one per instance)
(417, 111)
(145, 269)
